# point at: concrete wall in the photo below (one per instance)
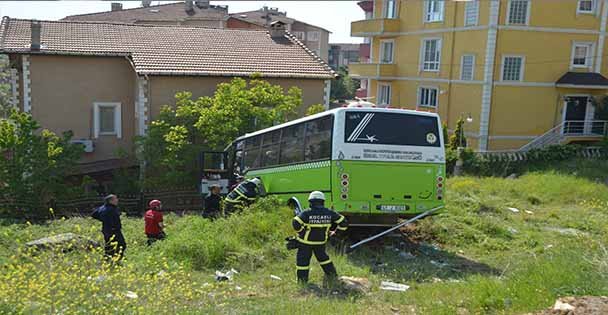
(63, 90)
(163, 89)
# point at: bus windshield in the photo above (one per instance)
(391, 129)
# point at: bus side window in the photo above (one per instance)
(318, 139)
(292, 149)
(251, 155)
(270, 148)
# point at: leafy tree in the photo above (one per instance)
(458, 139)
(33, 163)
(171, 148)
(315, 109)
(344, 87)
(5, 95)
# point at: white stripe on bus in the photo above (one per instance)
(364, 122)
(357, 128)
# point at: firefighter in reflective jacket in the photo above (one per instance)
(314, 226)
(243, 195)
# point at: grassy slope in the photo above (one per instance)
(486, 259)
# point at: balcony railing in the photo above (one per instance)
(372, 69)
(585, 128)
(374, 27)
(569, 129)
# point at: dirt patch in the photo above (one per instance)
(584, 305)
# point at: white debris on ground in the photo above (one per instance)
(98, 279)
(528, 212)
(562, 306)
(273, 277)
(131, 295)
(225, 276)
(392, 286)
(514, 210)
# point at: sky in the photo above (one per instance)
(334, 16)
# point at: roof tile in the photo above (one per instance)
(172, 50)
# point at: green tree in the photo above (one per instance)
(344, 87)
(315, 109)
(33, 162)
(458, 139)
(175, 138)
(5, 93)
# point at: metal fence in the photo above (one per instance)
(585, 152)
(174, 199)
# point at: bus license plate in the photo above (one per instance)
(393, 208)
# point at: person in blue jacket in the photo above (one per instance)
(111, 227)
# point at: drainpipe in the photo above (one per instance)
(449, 104)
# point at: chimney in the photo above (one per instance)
(116, 6)
(146, 3)
(266, 16)
(277, 29)
(202, 4)
(35, 46)
(189, 6)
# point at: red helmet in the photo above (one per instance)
(155, 204)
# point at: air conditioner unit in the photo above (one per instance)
(88, 144)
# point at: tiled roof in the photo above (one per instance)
(172, 50)
(591, 79)
(258, 17)
(162, 12)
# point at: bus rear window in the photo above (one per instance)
(391, 129)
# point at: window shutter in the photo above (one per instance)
(471, 13)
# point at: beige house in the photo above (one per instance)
(107, 81)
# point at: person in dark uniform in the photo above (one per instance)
(213, 203)
(243, 195)
(109, 215)
(314, 226)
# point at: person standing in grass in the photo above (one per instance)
(109, 215)
(213, 203)
(154, 226)
(314, 226)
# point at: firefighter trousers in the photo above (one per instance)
(303, 261)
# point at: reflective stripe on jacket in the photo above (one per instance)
(313, 226)
(244, 192)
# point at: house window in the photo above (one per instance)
(384, 94)
(581, 55)
(585, 6)
(107, 119)
(431, 54)
(512, 68)
(390, 9)
(433, 10)
(386, 51)
(313, 36)
(300, 35)
(467, 68)
(518, 12)
(471, 13)
(427, 96)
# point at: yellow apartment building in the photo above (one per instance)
(525, 72)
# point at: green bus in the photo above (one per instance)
(375, 165)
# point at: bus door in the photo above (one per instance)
(214, 171)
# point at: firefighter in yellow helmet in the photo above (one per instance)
(314, 227)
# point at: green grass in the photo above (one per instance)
(476, 257)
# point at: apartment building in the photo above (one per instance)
(526, 73)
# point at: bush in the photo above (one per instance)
(536, 159)
(241, 241)
(33, 162)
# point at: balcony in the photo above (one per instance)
(372, 70)
(374, 27)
